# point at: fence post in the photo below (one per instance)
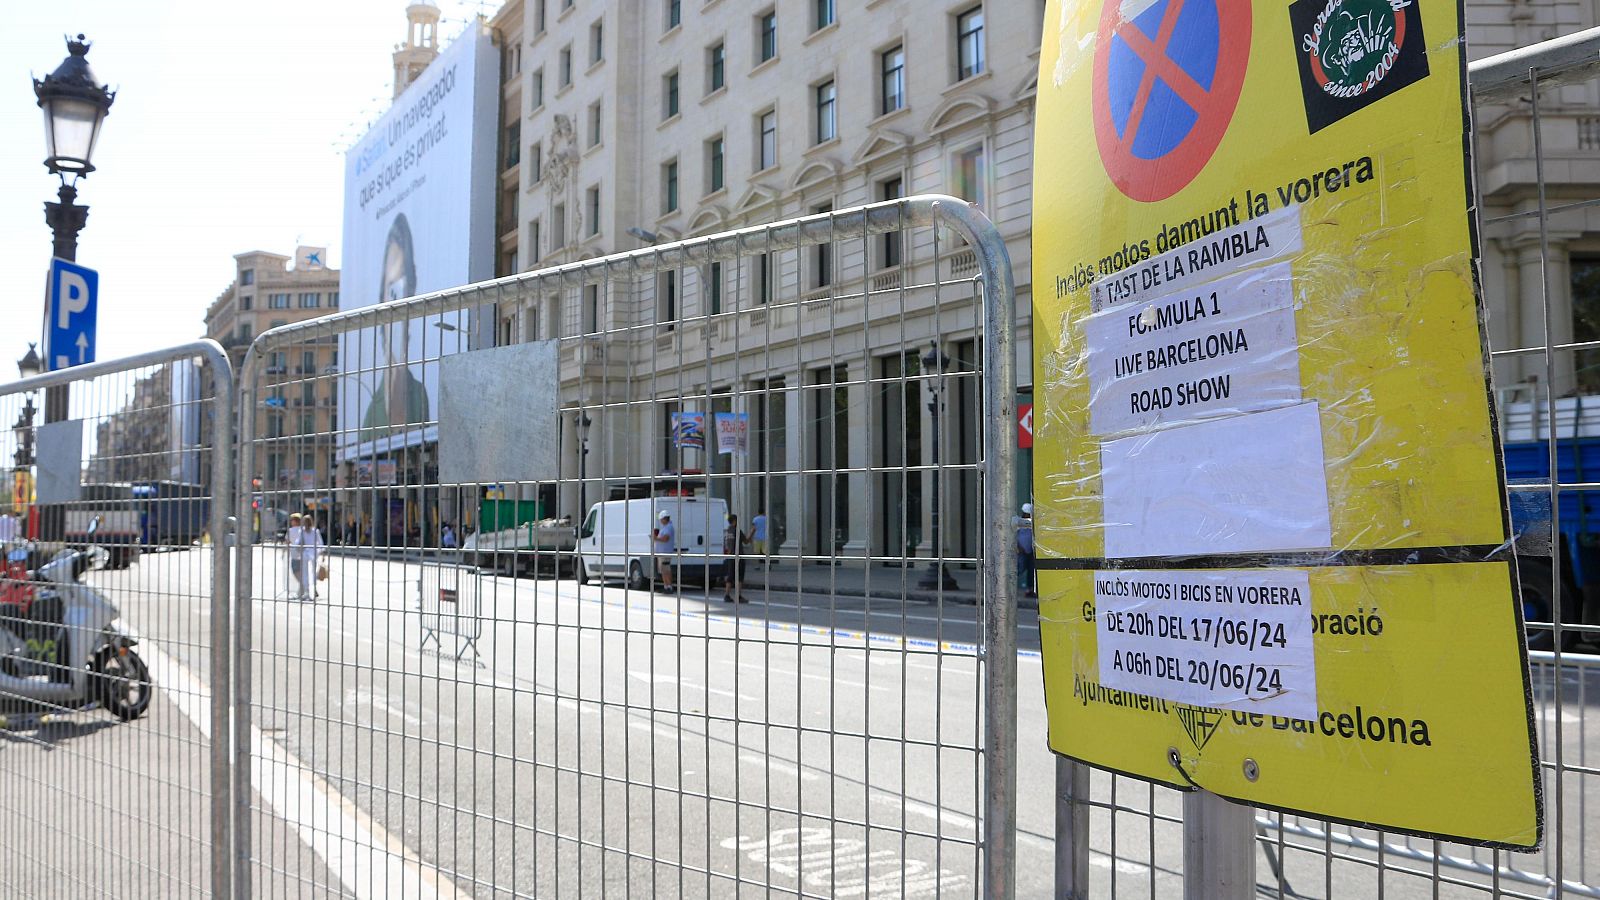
(1219, 858)
(1072, 829)
(222, 518)
(999, 582)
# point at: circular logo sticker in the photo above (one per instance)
(1354, 45)
(1166, 84)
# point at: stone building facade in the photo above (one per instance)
(631, 123)
(692, 118)
(298, 414)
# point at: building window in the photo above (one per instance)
(827, 104)
(566, 4)
(714, 180)
(667, 291)
(597, 42)
(310, 301)
(766, 35)
(536, 163)
(594, 124)
(533, 241)
(674, 14)
(308, 363)
(513, 144)
(766, 278)
(247, 277)
(669, 187)
(591, 308)
(565, 74)
(1586, 319)
(593, 203)
(891, 189)
(536, 87)
(669, 95)
(967, 175)
(244, 332)
(767, 140)
(333, 299)
(969, 43)
(825, 14)
(277, 301)
(713, 276)
(559, 223)
(507, 332)
(822, 255)
(246, 302)
(539, 16)
(716, 67)
(892, 65)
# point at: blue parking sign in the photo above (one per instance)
(70, 310)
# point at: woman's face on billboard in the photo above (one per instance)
(394, 274)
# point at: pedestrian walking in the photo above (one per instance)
(733, 543)
(664, 542)
(292, 547)
(447, 537)
(758, 534)
(9, 529)
(311, 568)
(1026, 574)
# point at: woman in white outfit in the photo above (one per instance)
(291, 542)
(310, 555)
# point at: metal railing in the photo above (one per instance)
(88, 805)
(851, 729)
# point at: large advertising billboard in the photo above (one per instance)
(418, 217)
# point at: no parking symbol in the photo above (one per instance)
(1166, 83)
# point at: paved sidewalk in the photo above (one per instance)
(857, 579)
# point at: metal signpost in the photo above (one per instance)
(1264, 391)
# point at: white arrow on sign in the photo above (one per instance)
(83, 347)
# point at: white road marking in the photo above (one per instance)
(368, 860)
(778, 765)
(844, 866)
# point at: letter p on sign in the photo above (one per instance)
(72, 296)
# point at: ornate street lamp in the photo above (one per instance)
(30, 365)
(937, 577)
(74, 106)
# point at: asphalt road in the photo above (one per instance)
(594, 741)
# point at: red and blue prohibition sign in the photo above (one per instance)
(1166, 83)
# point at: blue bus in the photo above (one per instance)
(171, 513)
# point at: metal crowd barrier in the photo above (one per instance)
(114, 759)
(848, 731)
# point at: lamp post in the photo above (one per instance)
(937, 577)
(74, 106)
(28, 366)
(583, 464)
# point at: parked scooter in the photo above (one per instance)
(58, 644)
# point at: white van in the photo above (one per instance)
(614, 541)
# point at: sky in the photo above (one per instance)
(227, 135)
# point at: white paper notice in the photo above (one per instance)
(1224, 348)
(1226, 638)
(1235, 485)
(1201, 259)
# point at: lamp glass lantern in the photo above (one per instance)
(74, 107)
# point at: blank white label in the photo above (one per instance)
(1243, 483)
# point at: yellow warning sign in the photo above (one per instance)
(1270, 514)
